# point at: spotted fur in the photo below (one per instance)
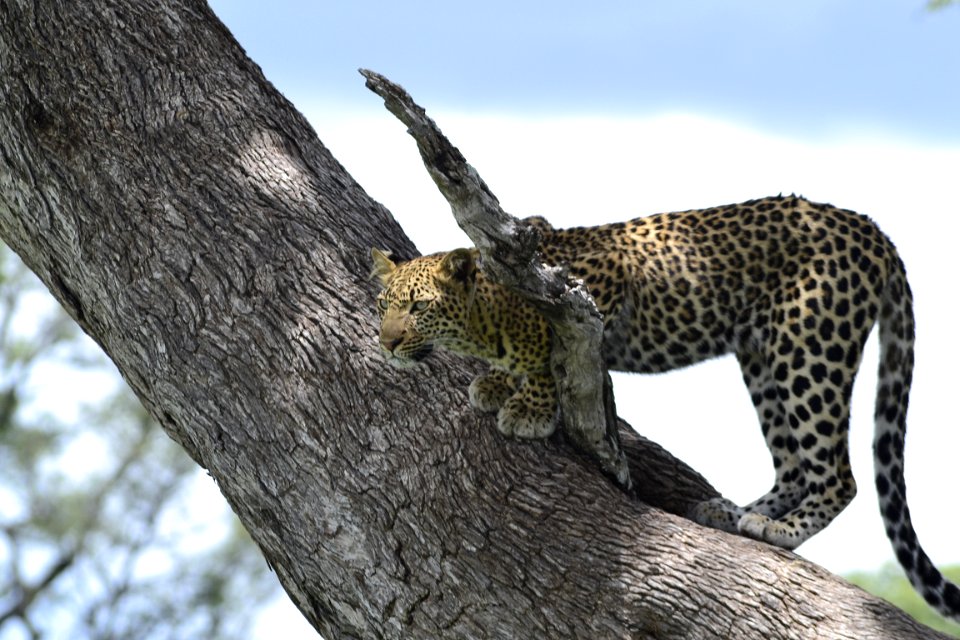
(790, 287)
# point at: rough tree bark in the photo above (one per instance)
(188, 218)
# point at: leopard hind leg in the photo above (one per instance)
(815, 388)
(786, 493)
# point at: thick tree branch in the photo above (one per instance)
(508, 248)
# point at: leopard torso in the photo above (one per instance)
(679, 288)
(791, 288)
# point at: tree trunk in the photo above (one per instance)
(188, 218)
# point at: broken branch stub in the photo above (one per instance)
(508, 249)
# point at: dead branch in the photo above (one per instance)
(508, 249)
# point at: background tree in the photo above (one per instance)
(96, 536)
(188, 219)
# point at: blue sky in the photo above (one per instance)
(808, 67)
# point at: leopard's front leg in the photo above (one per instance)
(490, 391)
(531, 412)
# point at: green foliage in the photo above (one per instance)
(933, 5)
(890, 584)
(98, 538)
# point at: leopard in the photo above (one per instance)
(790, 287)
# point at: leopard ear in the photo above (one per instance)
(459, 266)
(383, 266)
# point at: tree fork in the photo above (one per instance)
(188, 218)
(508, 249)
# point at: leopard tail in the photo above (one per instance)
(896, 330)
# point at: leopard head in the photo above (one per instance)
(424, 302)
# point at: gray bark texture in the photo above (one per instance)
(187, 217)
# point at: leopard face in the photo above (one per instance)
(424, 302)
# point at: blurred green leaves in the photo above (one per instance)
(890, 584)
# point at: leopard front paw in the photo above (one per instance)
(490, 391)
(520, 419)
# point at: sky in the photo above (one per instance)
(594, 112)
(812, 68)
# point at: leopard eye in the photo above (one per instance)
(383, 304)
(420, 305)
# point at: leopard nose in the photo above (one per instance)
(389, 344)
